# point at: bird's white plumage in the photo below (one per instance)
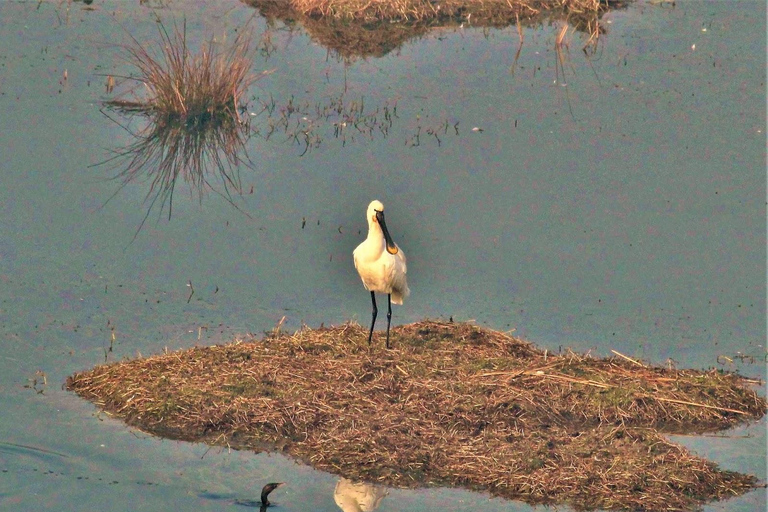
(380, 270)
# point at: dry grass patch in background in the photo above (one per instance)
(451, 404)
(362, 28)
(420, 10)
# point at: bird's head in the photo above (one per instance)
(375, 209)
(268, 489)
(376, 216)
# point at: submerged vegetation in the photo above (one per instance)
(301, 122)
(451, 404)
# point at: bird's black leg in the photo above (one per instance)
(389, 315)
(373, 320)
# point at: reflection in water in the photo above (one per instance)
(205, 152)
(195, 126)
(378, 33)
(192, 127)
(206, 149)
(28, 450)
(358, 496)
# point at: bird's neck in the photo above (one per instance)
(376, 237)
(374, 230)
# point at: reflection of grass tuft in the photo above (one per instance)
(192, 126)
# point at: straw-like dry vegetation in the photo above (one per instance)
(420, 10)
(187, 86)
(451, 404)
(363, 28)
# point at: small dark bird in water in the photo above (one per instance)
(265, 493)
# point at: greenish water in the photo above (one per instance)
(623, 211)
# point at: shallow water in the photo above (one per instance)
(623, 211)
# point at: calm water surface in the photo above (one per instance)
(624, 210)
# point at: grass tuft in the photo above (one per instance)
(192, 88)
(190, 103)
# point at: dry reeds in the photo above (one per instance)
(452, 404)
(192, 86)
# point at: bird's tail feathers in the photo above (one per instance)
(399, 294)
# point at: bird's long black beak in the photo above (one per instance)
(391, 247)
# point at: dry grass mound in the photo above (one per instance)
(420, 10)
(451, 404)
(363, 28)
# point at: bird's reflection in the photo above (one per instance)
(358, 496)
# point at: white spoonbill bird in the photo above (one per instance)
(381, 264)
